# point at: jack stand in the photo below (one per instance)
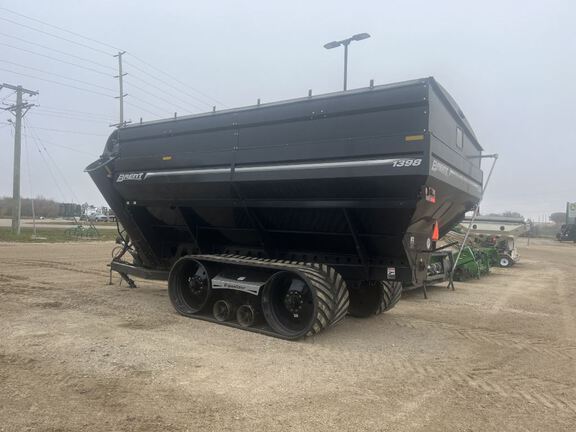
(129, 281)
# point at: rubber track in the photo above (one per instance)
(331, 290)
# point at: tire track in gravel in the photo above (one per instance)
(491, 337)
(7, 278)
(493, 382)
(103, 303)
(56, 265)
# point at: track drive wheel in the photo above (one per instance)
(296, 305)
(374, 297)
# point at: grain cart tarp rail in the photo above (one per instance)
(261, 215)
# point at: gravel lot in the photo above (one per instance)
(497, 354)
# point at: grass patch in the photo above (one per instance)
(68, 222)
(53, 235)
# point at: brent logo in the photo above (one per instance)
(130, 177)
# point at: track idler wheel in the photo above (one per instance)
(189, 286)
(223, 310)
(370, 298)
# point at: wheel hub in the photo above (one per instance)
(196, 285)
(293, 302)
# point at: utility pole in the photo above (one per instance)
(19, 110)
(121, 94)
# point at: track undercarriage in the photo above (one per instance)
(284, 299)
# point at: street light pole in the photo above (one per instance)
(345, 43)
(346, 66)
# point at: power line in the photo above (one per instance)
(147, 103)
(168, 84)
(64, 110)
(57, 51)
(67, 131)
(177, 80)
(56, 59)
(55, 36)
(60, 28)
(74, 116)
(73, 195)
(143, 109)
(69, 117)
(55, 74)
(162, 90)
(50, 143)
(48, 166)
(186, 110)
(8, 96)
(104, 52)
(56, 82)
(26, 147)
(98, 64)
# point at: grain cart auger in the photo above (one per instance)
(282, 218)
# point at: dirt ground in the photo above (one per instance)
(497, 354)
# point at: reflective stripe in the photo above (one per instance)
(317, 165)
(187, 172)
(257, 168)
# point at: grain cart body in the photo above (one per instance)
(362, 181)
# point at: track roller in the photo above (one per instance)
(370, 298)
(246, 315)
(223, 310)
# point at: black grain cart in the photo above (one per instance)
(284, 217)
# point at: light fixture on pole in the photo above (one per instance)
(345, 43)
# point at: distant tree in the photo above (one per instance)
(5, 207)
(558, 218)
(43, 207)
(507, 213)
(512, 214)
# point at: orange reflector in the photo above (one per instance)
(435, 232)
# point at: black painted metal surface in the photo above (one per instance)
(338, 178)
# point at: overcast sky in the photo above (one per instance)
(511, 65)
